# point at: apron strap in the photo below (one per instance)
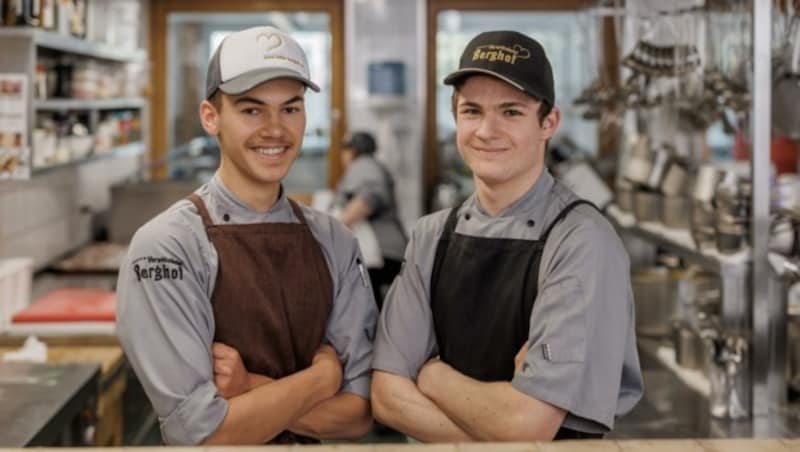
(452, 220)
(201, 207)
(297, 211)
(563, 214)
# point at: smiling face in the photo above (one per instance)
(499, 134)
(260, 133)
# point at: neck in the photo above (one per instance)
(496, 197)
(258, 197)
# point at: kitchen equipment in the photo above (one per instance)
(730, 237)
(675, 211)
(701, 221)
(134, 204)
(729, 398)
(623, 195)
(786, 84)
(675, 179)
(690, 349)
(654, 301)
(660, 161)
(646, 205)
(639, 164)
(705, 183)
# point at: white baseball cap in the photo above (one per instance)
(253, 56)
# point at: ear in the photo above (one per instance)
(551, 122)
(209, 118)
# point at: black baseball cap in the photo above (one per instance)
(512, 57)
(361, 142)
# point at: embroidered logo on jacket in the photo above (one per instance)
(158, 268)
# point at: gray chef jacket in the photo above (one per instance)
(165, 320)
(367, 178)
(582, 356)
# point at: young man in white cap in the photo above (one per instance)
(248, 318)
(512, 319)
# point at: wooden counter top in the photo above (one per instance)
(715, 445)
(110, 357)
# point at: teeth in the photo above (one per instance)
(269, 151)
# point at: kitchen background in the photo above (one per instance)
(663, 105)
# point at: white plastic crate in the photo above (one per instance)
(15, 287)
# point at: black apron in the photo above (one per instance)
(482, 294)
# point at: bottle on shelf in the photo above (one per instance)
(77, 23)
(22, 12)
(47, 16)
(12, 9)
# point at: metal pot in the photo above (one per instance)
(623, 196)
(690, 351)
(705, 183)
(654, 301)
(646, 206)
(659, 168)
(674, 182)
(675, 211)
(730, 237)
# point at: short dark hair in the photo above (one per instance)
(544, 107)
(216, 100)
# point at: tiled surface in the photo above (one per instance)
(50, 214)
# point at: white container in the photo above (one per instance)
(15, 287)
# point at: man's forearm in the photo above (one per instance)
(398, 403)
(490, 411)
(285, 400)
(344, 416)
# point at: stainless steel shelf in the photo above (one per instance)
(680, 243)
(119, 151)
(71, 44)
(79, 104)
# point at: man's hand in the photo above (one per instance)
(327, 359)
(519, 359)
(230, 375)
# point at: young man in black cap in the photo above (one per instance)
(263, 332)
(512, 318)
(366, 193)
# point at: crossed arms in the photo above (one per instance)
(444, 405)
(305, 402)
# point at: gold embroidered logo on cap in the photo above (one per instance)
(492, 52)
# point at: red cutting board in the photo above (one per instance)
(71, 305)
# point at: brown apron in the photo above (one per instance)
(272, 297)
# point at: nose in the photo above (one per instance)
(272, 127)
(487, 129)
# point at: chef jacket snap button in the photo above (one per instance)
(530, 223)
(226, 217)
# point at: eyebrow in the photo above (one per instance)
(503, 105)
(514, 104)
(253, 100)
